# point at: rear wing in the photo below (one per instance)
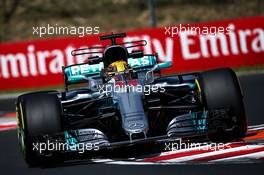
(80, 73)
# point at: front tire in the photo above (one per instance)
(221, 90)
(37, 114)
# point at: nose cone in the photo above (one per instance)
(133, 117)
(135, 123)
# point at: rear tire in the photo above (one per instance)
(220, 89)
(37, 114)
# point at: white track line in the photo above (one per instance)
(203, 155)
(256, 155)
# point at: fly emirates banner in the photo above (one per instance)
(190, 47)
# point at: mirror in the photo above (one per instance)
(163, 65)
(149, 77)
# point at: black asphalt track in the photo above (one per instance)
(11, 161)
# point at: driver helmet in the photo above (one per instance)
(119, 66)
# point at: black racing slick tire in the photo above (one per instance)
(223, 98)
(37, 114)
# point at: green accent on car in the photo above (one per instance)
(191, 85)
(70, 140)
(200, 120)
(164, 65)
(21, 141)
(20, 132)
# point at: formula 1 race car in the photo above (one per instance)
(127, 104)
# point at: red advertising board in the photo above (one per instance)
(190, 47)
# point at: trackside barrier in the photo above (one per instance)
(37, 63)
